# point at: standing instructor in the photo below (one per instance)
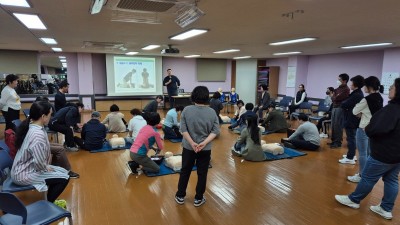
(172, 83)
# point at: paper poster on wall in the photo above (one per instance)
(387, 80)
(291, 77)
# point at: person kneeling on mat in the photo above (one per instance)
(305, 137)
(145, 140)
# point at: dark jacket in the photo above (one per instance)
(384, 134)
(151, 106)
(59, 100)
(275, 122)
(173, 86)
(216, 105)
(243, 117)
(264, 100)
(93, 134)
(68, 116)
(350, 120)
(340, 94)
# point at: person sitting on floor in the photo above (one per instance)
(171, 124)
(114, 121)
(305, 137)
(275, 122)
(65, 121)
(93, 134)
(145, 140)
(240, 109)
(215, 103)
(135, 124)
(31, 164)
(242, 119)
(248, 145)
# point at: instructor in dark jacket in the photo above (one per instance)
(351, 122)
(172, 83)
(384, 161)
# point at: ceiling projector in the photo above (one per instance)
(170, 51)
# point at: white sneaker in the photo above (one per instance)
(72, 149)
(344, 199)
(378, 210)
(321, 135)
(325, 136)
(355, 157)
(355, 179)
(347, 161)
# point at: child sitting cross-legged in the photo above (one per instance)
(145, 140)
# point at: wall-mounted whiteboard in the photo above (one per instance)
(291, 77)
(387, 80)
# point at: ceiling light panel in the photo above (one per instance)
(192, 56)
(226, 51)
(287, 53)
(49, 41)
(151, 47)
(57, 49)
(188, 34)
(30, 21)
(292, 41)
(242, 57)
(131, 53)
(18, 3)
(366, 45)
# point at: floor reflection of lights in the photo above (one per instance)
(279, 184)
(224, 192)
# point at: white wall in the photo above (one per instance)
(246, 79)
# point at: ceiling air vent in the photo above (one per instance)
(110, 46)
(146, 5)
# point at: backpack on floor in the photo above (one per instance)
(10, 138)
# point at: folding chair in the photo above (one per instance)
(40, 212)
(306, 107)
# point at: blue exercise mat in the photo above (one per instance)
(175, 140)
(107, 147)
(164, 170)
(288, 154)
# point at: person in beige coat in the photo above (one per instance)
(248, 144)
(114, 121)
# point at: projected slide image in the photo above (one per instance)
(134, 74)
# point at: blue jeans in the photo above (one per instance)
(363, 147)
(372, 172)
(351, 142)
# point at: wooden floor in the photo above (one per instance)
(290, 191)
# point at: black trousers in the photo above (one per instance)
(170, 98)
(9, 116)
(303, 144)
(293, 108)
(189, 159)
(66, 130)
(56, 187)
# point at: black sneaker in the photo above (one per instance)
(132, 166)
(199, 202)
(179, 200)
(287, 144)
(73, 175)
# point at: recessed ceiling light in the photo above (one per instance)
(131, 53)
(64, 65)
(63, 60)
(292, 41)
(192, 56)
(287, 53)
(242, 57)
(57, 49)
(19, 3)
(150, 47)
(49, 41)
(62, 57)
(30, 21)
(226, 51)
(188, 34)
(366, 45)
